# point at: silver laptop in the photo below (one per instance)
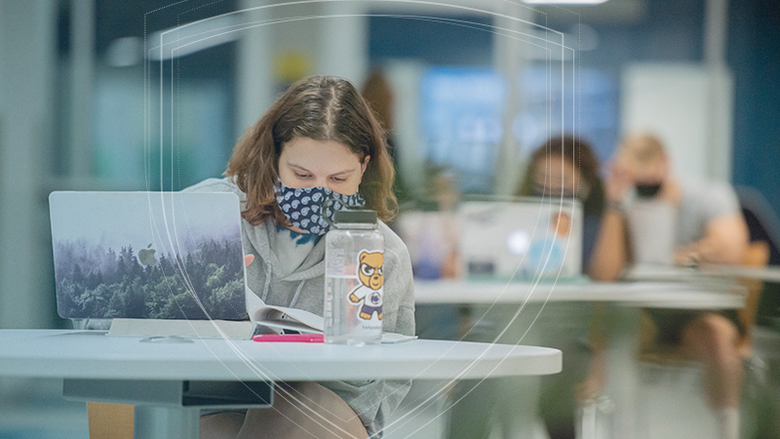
(154, 255)
(524, 240)
(652, 227)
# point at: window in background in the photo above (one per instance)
(595, 100)
(407, 45)
(199, 134)
(122, 149)
(188, 128)
(461, 112)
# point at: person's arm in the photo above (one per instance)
(724, 242)
(610, 251)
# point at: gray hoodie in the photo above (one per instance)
(372, 400)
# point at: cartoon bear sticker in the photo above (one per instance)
(369, 291)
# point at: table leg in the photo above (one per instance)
(622, 370)
(166, 422)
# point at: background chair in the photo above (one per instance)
(764, 225)
(110, 421)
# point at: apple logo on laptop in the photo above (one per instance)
(146, 256)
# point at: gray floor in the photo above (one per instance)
(670, 406)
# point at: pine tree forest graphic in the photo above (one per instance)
(93, 282)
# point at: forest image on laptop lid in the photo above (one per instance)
(147, 255)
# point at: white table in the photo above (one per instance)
(170, 382)
(709, 295)
(766, 274)
(624, 300)
(657, 272)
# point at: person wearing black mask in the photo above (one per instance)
(709, 228)
(566, 167)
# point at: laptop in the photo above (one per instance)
(148, 255)
(652, 227)
(524, 240)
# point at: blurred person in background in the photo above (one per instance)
(430, 228)
(710, 225)
(709, 228)
(436, 237)
(563, 167)
(378, 92)
(566, 167)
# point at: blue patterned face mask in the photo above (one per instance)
(304, 207)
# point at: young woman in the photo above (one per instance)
(321, 136)
(561, 167)
(567, 167)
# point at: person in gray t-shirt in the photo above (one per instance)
(710, 228)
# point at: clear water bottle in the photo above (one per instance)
(354, 279)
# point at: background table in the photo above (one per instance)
(154, 375)
(623, 300)
(656, 272)
(766, 274)
(703, 295)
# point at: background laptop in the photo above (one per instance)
(153, 255)
(520, 240)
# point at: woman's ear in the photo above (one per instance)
(364, 166)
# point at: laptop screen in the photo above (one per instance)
(532, 238)
(154, 255)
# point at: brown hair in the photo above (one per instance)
(321, 108)
(580, 154)
(377, 93)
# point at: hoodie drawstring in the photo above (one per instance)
(268, 270)
(297, 293)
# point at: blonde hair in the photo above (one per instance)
(321, 108)
(641, 151)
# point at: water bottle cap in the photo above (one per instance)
(365, 216)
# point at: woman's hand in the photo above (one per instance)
(618, 182)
